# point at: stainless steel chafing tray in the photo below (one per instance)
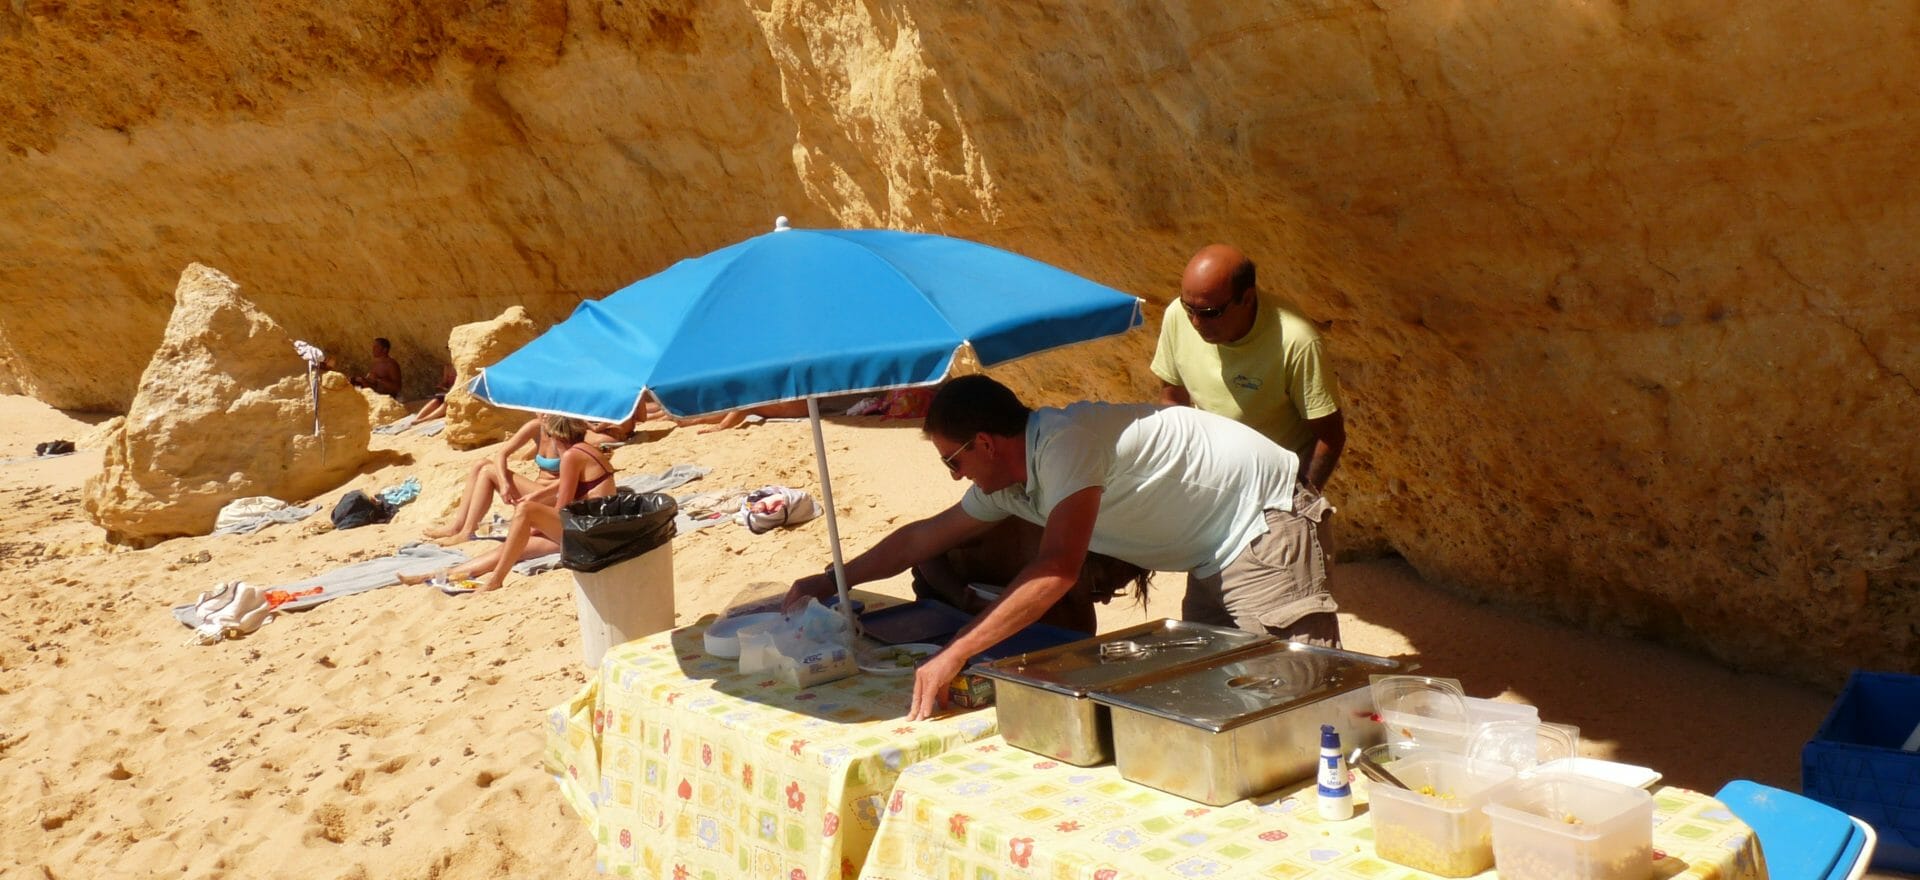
(1042, 696)
(1245, 726)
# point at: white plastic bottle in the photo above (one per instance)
(1335, 789)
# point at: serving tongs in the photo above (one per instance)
(1372, 769)
(1128, 649)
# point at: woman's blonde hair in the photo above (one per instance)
(565, 427)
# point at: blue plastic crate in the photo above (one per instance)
(1854, 763)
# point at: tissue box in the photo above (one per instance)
(1855, 763)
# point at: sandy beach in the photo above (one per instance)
(397, 734)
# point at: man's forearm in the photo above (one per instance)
(1320, 467)
(1025, 602)
(893, 555)
(1330, 437)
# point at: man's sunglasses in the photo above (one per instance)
(1208, 314)
(953, 467)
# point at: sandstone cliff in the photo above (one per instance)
(1618, 291)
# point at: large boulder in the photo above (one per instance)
(382, 409)
(473, 422)
(224, 410)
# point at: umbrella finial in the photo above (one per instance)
(780, 224)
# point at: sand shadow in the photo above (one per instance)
(1697, 722)
(385, 458)
(90, 419)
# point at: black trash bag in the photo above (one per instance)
(357, 509)
(598, 532)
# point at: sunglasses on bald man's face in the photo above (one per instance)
(1210, 313)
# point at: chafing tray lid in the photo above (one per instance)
(1076, 668)
(1256, 684)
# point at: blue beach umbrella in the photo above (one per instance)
(799, 314)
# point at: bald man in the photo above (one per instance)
(1228, 349)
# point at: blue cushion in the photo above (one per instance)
(1848, 855)
(1801, 838)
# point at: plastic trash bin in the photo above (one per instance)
(623, 602)
(620, 550)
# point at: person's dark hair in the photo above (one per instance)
(969, 405)
(1107, 578)
(1242, 279)
(383, 343)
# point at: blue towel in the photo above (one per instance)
(403, 493)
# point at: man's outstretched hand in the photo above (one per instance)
(930, 684)
(813, 586)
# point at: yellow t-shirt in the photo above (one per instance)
(1274, 379)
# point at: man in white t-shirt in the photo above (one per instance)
(1164, 488)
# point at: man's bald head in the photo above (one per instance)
(1217, 293)
(1218, 265)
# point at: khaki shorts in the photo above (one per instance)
(1277, 581)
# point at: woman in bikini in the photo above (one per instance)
(490, 477)
(582, 472)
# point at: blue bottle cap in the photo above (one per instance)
(1329, 738)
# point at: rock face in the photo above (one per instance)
(224, 411)
(473, 422)
(1620, 293)
(381, 409)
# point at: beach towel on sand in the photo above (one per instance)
(356, 578)
(244, 516)
(428, 428)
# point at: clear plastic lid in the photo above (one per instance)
(1523, 745)
(1419, 697)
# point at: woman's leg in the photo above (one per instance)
(727, 422)
(485, 483)
(480, 488)
(471, 568)
(522, 542)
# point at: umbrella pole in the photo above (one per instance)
(833, 520)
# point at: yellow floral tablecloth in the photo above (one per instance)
(683, 768)
(989, 811)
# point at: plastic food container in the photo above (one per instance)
(1454, 736)
(1041, 697)
(1439, 826)
(722, 638)
(1559, 827)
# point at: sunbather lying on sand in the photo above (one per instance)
(584, 472)
(792, 409)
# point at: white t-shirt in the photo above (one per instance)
(1182, 490)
